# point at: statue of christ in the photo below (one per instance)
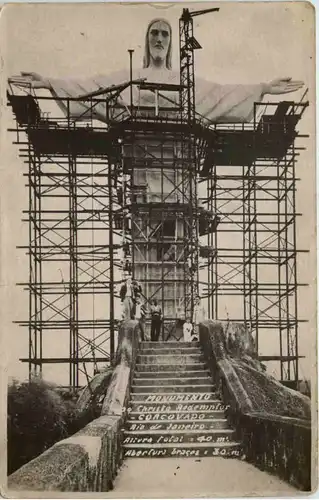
(218, 103)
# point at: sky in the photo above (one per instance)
(242, 43)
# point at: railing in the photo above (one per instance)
(88, 460)
(116, 399)
(277, 444)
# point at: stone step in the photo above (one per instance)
(168, 344)
(231, 450)
(169, 359)
(180, 351)
(172, 381)
(180, 437)
(178, 398)
(172, 374)
(167, 367)
(172, 389)
(192, 422)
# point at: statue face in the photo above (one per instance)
(159, 40)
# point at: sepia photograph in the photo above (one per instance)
(158, 250)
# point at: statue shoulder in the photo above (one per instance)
(202, 84)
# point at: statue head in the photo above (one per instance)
(158, 43)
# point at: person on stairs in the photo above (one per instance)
(140, 315)
(156, 320)
(136, 295)
(199, 316)
(187, 330)
(126, 294)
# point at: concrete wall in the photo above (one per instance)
(88, 460)
(82, 462)
(230, 351)
(272, 422)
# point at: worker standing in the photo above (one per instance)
(126, 294)
(136, 295)
(156, 320)
(140, 315)
(187, 331)
(199, 316)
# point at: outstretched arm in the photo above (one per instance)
(70, 89)
(282, 86)
(63, 89)
(235, 103)
(27, 79)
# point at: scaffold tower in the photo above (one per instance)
(157, 193)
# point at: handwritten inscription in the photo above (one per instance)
(201, 438)
(178, 398)
(182, 452)
(174, 439)
(158, 412)
(171, 427)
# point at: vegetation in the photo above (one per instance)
(39, 416)
(268, 395)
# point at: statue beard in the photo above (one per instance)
(158, 59)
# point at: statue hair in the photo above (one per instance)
(147, 55)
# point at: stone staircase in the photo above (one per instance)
(173, 410)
